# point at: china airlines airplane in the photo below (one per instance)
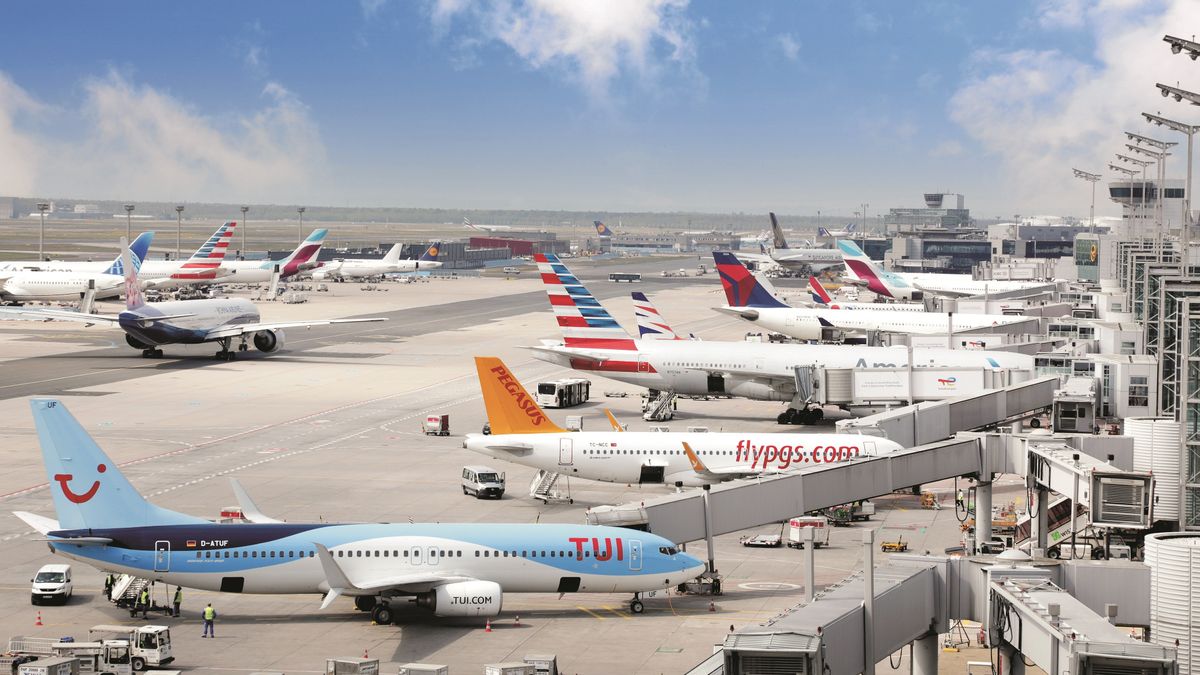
(455, 570)
(593, 341)
(149, 326)
(913, 286)
(764, 309)
(521, 433)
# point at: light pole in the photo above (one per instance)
(42, 207)
(1129, 174)
(1189, 130)
(1142, 163)
(128, 220)
(1092, 178)
(244, 210)
(1160, 176)
(1162, 147)
(864, 215)
(178, 228)
(300, 227)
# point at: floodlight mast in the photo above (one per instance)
(1188, 130)
(1092, 178)
(1179, 45)
(1142, 163)
(1129, 174)
(1160, 158)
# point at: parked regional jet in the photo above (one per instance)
(795, 258)
(522, 433)
(27, 285)
(147, 327)
(388, 264)
(913, 286)
(260, 271)
(749, 301)
(458, 570)
(594, 341)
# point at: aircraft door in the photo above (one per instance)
(565, 452)
(635, 555)
(433, 556)
(869, 448)
(415, 555)
(162, 556)
(643, 365)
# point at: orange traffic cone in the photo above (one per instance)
(39, 619)
(712, 606)
(365, 654)
(488, 627)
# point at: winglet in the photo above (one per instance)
(697, 465)
(249, 509)
(613, 420)
(510, 408)
(338, 583)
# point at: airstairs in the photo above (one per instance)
(659, 408)
(544, 486)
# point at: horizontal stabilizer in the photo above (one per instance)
(42, 524)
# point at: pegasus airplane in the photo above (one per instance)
(260, 271)
(751, 302)
(388, 264)
(59, 285)
(593, 341)
(521, 433)
(454, 570)
(914, 286)
(222, 320)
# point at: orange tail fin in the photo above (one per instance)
(510, 409)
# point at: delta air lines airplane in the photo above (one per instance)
(460, 570)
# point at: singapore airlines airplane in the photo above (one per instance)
(65, 285)
(221, 320)
(594, 341)
(460, 570)
(388, 264)
(749, 301)
(521, 433)
(913, 286)
(795, 258)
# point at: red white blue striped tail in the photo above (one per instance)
(651, 325)
(204, 262)
(583, 320)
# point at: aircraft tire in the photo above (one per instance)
(382, 614)
(637, 607)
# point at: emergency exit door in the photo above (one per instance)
(162, 556)
(565, 451)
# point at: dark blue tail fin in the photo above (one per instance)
(139, 248)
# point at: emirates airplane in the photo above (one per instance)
(521, 433)
(594, 341)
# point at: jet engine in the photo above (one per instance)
(464, 598)
(135, 343)
(268, 341)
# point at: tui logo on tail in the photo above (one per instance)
(76, 498)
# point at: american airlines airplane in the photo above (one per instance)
(749, 301)
(149, 326)
(65, 285)
(913, 286)
(201, 269)
(593, 341)
(388, 264)
(521, 433)
(260, 271)
(454, 570)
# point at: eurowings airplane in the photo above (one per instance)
(764, 309)
(913, 286)
(149, 326)
(521, 433)
(260, 271)
(795, 258)
(388, 264)
(593, 341)
(58, 285)
(456, 570)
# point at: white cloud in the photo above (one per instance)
(789, 45)
(593, 42)
(144, 143)
(1074, 14)
(1042, 112)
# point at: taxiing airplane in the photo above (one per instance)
(521, 433)
(65, 285)
(484, 228)
(388, 264)
(150, 326)
(456, 570)
(260, 271)
(914, 286)
(594, 341)
(749, 301)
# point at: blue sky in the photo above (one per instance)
(655, 105)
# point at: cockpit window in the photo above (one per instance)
(668, 550)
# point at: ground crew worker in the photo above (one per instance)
(209, 615)
(144, 601)
(959, 499)
(178, 599)
(108, 584)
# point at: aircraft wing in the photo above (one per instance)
(235, 330)
(415, 582)
(47, 314)
(756, 257)
(573, 352)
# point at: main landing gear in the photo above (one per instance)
(225, 354)
(152, 353)
(381, 612)
(804, 416)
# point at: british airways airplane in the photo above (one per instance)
(455, 570)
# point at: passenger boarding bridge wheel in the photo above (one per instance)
(637, 607)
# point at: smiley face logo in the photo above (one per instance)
(64, 478)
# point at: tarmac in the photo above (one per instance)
(329, 429)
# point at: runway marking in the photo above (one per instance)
(588, 611)
(64, 377)
(617, 612)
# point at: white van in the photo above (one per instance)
(52, 583)
(482, 481)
